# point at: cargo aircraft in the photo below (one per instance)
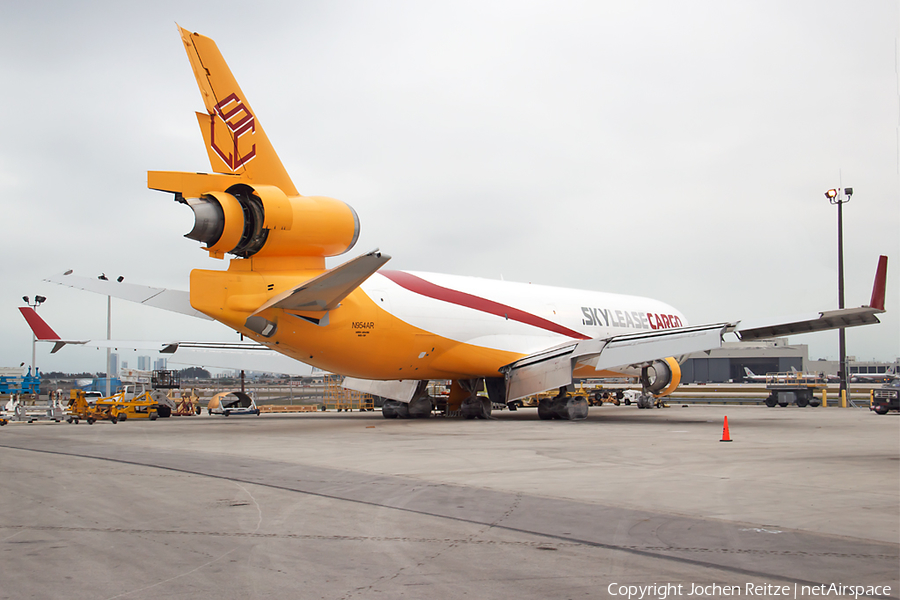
(390, 332)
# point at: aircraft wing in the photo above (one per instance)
(552, 368)
(249, 356)
(174, 300)
(822, 321)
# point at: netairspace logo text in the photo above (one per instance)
(661, 591)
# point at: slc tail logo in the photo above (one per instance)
(240, 121)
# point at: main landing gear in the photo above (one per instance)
(419, 407)
(562, 406)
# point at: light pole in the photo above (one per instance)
(103, 277)
(836, 197)
(38, 300)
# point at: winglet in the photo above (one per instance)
(878, 288)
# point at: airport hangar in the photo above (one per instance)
(776, 355)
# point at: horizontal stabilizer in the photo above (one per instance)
(174, 300)
(325, 291)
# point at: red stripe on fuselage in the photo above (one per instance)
(430, 290)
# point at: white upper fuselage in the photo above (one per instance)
(509, 316)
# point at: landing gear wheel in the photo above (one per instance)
(576, 409)
(391, 409)
(545, 409)
(420, 408)
(476, 407)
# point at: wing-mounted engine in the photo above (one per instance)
(661, 377)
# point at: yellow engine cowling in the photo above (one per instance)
(661, 377)
(260, 220)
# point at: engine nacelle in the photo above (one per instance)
(661, 377)
(260, 220)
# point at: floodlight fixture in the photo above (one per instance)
(836, 197)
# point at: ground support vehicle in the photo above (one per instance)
(136, 383)
(288, 408)
(80, 409)
(787, 388)
(232, 403)
(19, 410)
(187, 402)
(886, 398)
(143, 406)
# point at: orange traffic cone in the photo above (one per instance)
(725, 436)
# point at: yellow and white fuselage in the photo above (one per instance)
(359, 320)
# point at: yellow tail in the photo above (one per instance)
(235, 141)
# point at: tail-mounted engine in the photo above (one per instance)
(661, 377)
(249, 219)
(261, 220)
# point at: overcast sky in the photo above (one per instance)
(673, 150)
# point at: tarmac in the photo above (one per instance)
(629, 503)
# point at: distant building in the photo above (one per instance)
(144, 363)
(854, 366)
(113, 365)
(728, 362)
(766, 356)
(159, 364)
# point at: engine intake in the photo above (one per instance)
(261, 220)
(661, 377)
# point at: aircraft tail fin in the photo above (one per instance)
(41, 330)
(234, 139)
